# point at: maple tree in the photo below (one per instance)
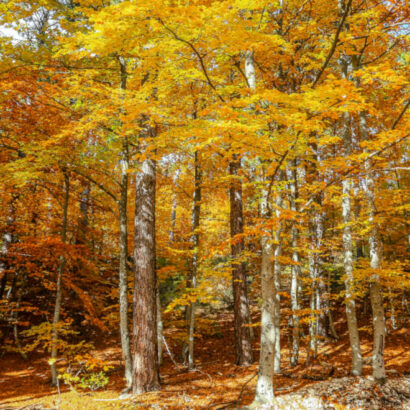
(159, 158)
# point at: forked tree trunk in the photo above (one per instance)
(264, 388)
(145, 343)
(376, 295)
(59, 284)
(243, 347)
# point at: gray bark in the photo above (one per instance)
(357, 366)
(145, 342)
(376, 295)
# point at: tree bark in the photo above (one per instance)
(145, 343)
(264, 387)
(376, 295)
(277, 268)
(59, 286)
(243, 346)
(196, 213)
(357, 366)
(123, 271)
(296, 270)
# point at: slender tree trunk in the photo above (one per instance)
(145, 342)
(174, 207)
(357, 366)
(312, 347)
(392, 311)
(83, 218)
(123, 271)
(296, 270)
(59, 285)
(243, 347)
(376, 295)
(277, 267)
(15, 317)
(160, 326)
(196, 213)
(7, 239)
(264, 388)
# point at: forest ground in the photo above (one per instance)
(217, 383)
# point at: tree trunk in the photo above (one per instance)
(357, 366)
(196, 213)
(264, 388)
(312, 346)
(264, 394)
(59, 286)
(376, 295)
(15, 317)
(7, 239)
(145, 343)
(6, 242)
(277, 267)
(160, 326)
(123, 271)
(296, 270)
(243, 347)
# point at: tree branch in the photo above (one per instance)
(334, 45)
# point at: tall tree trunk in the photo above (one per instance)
(264, 387)
(296, 269)
(376, 295)
(145, 343)
(59, 285)
(196, 213)
(277, 268)
(357, 366)
(243, 346)
(123, 271)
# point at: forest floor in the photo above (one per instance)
(217, 383)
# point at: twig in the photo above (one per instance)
(170, 354)
(234, 402)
